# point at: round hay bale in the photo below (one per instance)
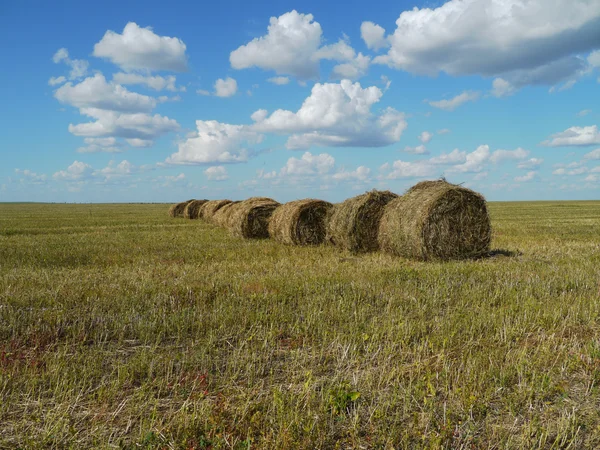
(250, 218)
(436, 220)
(223, 214)
(208, 210)
(301, 222)
(177, 209)
(192, 209)
(354, 223)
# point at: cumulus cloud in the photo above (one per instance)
(216, 173)
(287, 48)
(418, 150)
(215, 142)
(474, 161)
(443, 131)
(406, 169)
(75, 172)
(141, 49)
(95, 145)
(373, 35)
(292, 46)
(455, 102)
(506, 155)
(226, 87)
(529, 176)
(532, 163)
(279, 80)
(79, 67)
(502, 88)
(309, 164)
(361, 173)
(425, 137)
(32, 177)
(128, 126)
(594, 58)
(574, 136)
(336, 115)
(202, 92)
(594, 154)
(156, 82)
(53, 81)
(531, 42)
(95, 92)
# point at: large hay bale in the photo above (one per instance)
(223, 215)
(250, 218)
(208, 210)
(354, 223)
(192, 209)
(177, 209)
(301, 222)
(436, 220)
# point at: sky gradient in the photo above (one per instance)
(155, 102)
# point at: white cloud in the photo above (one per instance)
(474, 161)
(112, 171)
(575, 136)
(287, 48)
(455, 102)
(584, 112)
(373, 35)
(95, 145)
(524, 42)
(309, 164)
(156, 82)
(594, 154)
(76, 171)
(532, 163)
(425, 137)
(202, 92)
(32, 177)
(216, 173)
(454, 157)
(353, 69)
(418, 150)
(128, 126)
(266, 175)
(443, 131)
(480, 176)
(360, 174)
(53, 81)
(529, 176)
(505, 155)
(139, 143)
(405, 169)
(215, 142)
(226, 87)
(95, 92)
(502, 88)
(335, 115)
(594, 58)
(79, 67)
(279, 80)
(141, 49)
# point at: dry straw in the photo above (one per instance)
(353, 224)
(192, 209)
(436, 220)
(250, 218)
(208, 210)
(223, 216)
(301, 222)
(177, 209)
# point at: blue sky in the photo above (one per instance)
(157, 102)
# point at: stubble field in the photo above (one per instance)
(123, 328)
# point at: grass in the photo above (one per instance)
(123, 328)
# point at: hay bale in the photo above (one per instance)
(436, 220)
(192, 209)
(177, 209)
(223, 215)
(301, 222)
(208, 210)
(354, 224)
(250, 218)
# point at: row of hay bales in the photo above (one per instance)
(432, 220)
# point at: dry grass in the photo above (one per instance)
(192, 209)
(301, 222)
(250, 218)
(436, 220)
(353, 225)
